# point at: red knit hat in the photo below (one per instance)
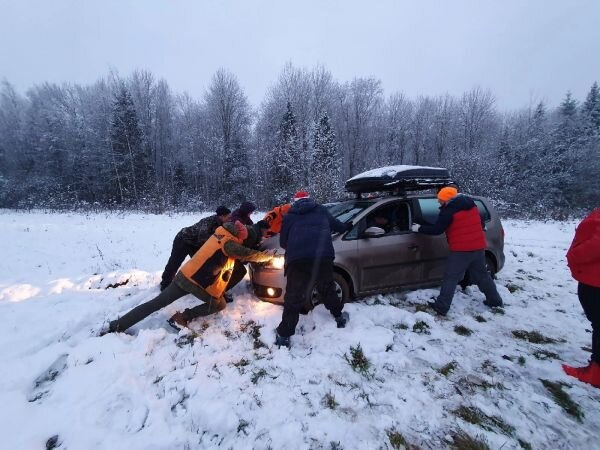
(300, 195)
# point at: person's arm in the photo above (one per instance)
(440, 226)
(336, 225)
(285, 231)
(586, 251)
(238, 251)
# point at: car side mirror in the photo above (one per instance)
(373, 232)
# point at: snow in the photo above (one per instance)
(228, 387)
(389, 171)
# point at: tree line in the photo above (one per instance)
(132, 143)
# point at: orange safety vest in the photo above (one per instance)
(275, 217)
(210, 267)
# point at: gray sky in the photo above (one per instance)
(521, 50)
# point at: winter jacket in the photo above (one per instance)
(275, 217)
(459, 218)
(306, 232)
(210, 268)
(197, 234)
(243, 213)
(583, 256)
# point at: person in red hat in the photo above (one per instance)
(309, 253)
(459, 218)
(583, 258)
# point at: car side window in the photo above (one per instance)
(392, 218)
(430, 209)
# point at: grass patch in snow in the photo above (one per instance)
(258, 375)
(544, 355)
(524, 444)
(447, 369)
(475, 416)
(535, 337)
(329, 401)
(462, 441)
(358, 361)
(521, 361)
(186, 339)
(53, 443)
(480, 319)
(422, 307)
(253, 329)
(563, 399)
(462, 330)
(401, 326)
(397, 441)
(512, 288)
(421, 327)
(242, 425)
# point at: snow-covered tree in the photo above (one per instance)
(325, 170)
(286, 162)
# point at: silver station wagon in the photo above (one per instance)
(381, 253)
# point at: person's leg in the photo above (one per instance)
(589, 297)
(178, 253)
(238, 274)
(296, 291)
(326, 288)
(171, 293)
(456, 266)
(212, 306)
(484, 281)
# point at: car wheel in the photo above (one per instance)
(341, 288)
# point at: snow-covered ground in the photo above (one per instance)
(228, 387)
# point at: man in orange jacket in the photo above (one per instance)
(583, 258)
(274, 218)
(205, 276)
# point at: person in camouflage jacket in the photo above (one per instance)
(189, 240)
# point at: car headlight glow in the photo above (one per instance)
(277, 263)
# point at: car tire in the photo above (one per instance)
(341, 287)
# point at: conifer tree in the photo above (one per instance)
(286, 163)
(326, 168)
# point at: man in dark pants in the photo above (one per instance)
(584, 261)
(205, 276)
(459, 218)
(189, 240)
(306, 238)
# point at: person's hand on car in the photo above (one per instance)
(415, 227)
(271, 252)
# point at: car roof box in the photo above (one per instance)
(399, 179)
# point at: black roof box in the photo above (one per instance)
(399, 178)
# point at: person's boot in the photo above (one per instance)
(342, 319)
(575, 371)
(493, 305)
(178, 321)
(436, 308)
(589, 374)
(228, 297)
(282, 341)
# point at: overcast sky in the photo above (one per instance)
(521, 50)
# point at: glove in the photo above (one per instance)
(271, 252)
(415, 227)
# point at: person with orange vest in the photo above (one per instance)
(205, 276)
(459, 218)
(275, 218)
(583, 258)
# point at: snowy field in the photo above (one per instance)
(423, 382)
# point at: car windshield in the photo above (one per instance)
(346, 211)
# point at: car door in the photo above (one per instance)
(434, 249)
(391, 260)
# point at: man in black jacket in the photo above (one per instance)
(306, 238)
(189, 240)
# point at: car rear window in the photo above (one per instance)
(430, 208)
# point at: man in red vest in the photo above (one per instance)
(459, 218)
(584, 261)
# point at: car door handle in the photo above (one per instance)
(413, 247)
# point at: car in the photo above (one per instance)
(380, 253)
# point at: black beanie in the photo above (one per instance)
(223, 210)
(261, 224)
